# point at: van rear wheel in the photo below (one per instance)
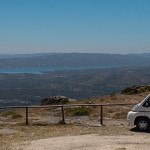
(143, 124)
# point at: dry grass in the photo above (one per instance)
(37, 131)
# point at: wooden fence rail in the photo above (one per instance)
(68, 105)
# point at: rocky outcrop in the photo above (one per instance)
(53, 100)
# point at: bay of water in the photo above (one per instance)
(40, 70)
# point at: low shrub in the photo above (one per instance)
(13, 114)
(129, 91)
(80, 111)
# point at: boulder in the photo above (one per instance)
(54, 100)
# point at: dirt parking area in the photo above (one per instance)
(115, 135)
(90, 142)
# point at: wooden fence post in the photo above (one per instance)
(63, 115)
(101, 115)
(27, 116)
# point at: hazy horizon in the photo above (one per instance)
(38, 53)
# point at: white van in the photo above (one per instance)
(139, 116)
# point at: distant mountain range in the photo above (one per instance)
(73, 60)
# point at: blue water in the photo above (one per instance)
(40, 70)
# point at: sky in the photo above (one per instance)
(86, 26)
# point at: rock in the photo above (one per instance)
(54, 100)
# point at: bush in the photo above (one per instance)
(147, 88)
(129, 91)
(13, 114)
(81, 111)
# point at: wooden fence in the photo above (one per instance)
(64, 106)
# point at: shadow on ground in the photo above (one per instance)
(136, 130)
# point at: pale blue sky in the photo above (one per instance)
(102, 26)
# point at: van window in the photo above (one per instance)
(147, 103)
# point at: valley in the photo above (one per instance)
(23, 89)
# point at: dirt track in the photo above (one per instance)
(139, 141)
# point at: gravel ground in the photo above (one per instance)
(116, 135)
(90, 142)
